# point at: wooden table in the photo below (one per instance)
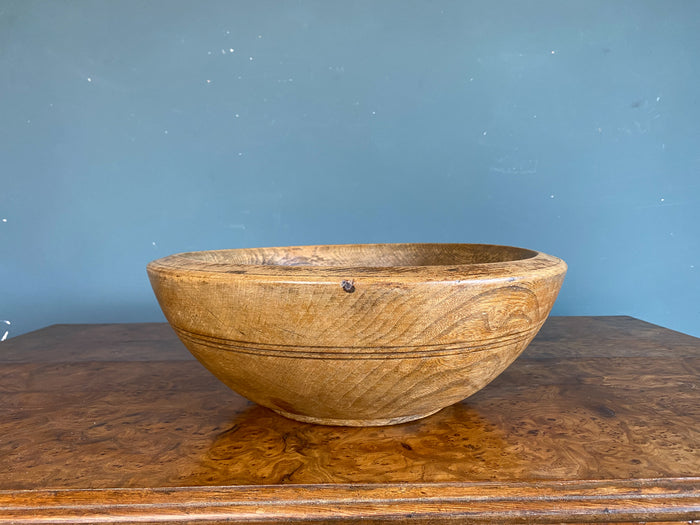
(598, 421)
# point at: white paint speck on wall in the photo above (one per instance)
(6, 330)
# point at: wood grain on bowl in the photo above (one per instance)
(357, 334)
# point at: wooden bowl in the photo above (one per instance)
(357, 335)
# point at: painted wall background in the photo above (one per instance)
(131, 130)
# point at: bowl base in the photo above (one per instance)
(354, 422)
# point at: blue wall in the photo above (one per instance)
(131, 130)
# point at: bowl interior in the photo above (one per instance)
(367, 255)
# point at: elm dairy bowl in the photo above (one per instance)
(357, 335)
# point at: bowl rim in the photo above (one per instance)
(195, 264)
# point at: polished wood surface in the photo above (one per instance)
(597, 421)
(389, 333)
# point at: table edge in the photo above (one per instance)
(537, 501)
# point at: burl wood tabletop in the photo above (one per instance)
(598, 420)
